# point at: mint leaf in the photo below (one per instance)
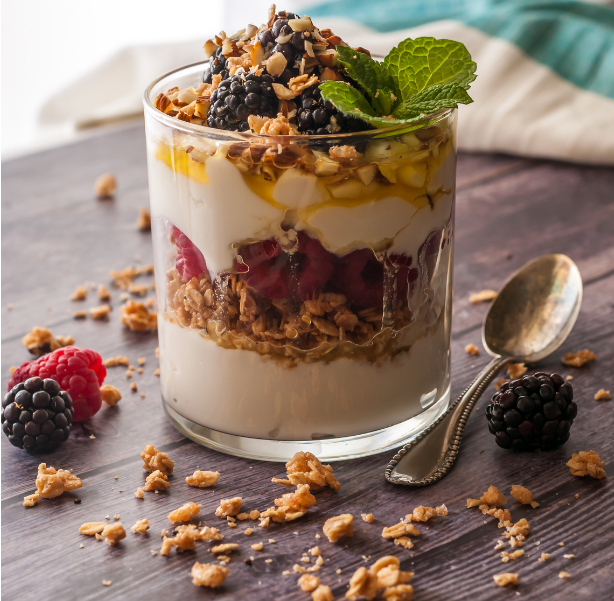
(424, 62)
(351, 102)
(430, 100)
(371, 75)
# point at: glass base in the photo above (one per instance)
(333, 449)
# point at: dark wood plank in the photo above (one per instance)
(505, 205)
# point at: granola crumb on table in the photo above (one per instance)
(308, 582)
(143, 223)
(41, 341)
(229, 507)
(578, 359)
(139, 494)
(31, 500)
(51, 483)
(322, 593)
(505, 579)
(208, 574)
(516, 370)
(114, 533)
(184, 513)
(105, 186)
(521, 494)
(471, 349)
(79, 294)
(202, 479)
(100, 312)
(603, 395)
(156, 481)
(115, 361)
(306, 468)
(367, 517)
(587, 464)
(493, 496)
(483, 296)
(338, 526)
(92, 528)
(141, 526)
(155, 460)
(136, 316)
(110, 395)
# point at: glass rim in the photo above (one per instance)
(194, 128)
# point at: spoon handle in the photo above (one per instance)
(430, 456)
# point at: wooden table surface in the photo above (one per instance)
(55, 235)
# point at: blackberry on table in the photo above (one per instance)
(217, 65)
(37, 415)
(532, 412)
(317, 116)
(240, 96)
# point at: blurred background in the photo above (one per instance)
(545, 86)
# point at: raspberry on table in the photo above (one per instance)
(80, 372)
(37, 415)
(532, 412)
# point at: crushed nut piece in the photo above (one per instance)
(184, 513)
(103, 293)
(521, 494)
(208, 574)
(202, 479)
(156, 481)
(100, 312)
(322, 593)
(340, 525)
(155, 460)
(578, 359)
(308, 582)
(51, 483)
(441, 509)
(139, 493)
(106, 583)
(603, 395)
(483, 296)
(119, 360)
(141, 526)
(564, 575)
(137, 317)
(229, 507)
(569, 556)
(505, 579)
(296, 504)
(543, 557)
(114, 533)
(31, 500)
(110, 395)
(362, 583)
(399, 530)
(587, 464)
(306, 468)
(144, 221)
(209, 534)
(471, 349)
(421, 514)
(493, 496)
(225, 548)
(91, 528)
(41, 341)
(79, 294)
(505, 556)
(404, 541)
(258, 546)
(472, 503)
(248, 531)
(367, 517)
(105, 186)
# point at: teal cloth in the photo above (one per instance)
(575, 39)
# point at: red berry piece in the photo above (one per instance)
(80, 372)
(362, 278)
(190, 261)
(264, 261)
(309, 268)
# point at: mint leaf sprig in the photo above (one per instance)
(417, 78)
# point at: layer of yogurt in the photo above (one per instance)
(246, 394)
(219, 207)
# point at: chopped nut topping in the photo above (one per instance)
(505, 579)
(340, 525)
(184, 513)
(225, 548)
(155, 460)
(141, 526)
(229, 507)
(346, 155)
(322, 593)
(602, 395)
(51, 483)
(308, 582)
(208, 574)
(79, 294)
(144, 221)
(110, 395)
(483, 296)
(41, 341)
(578, 359)
(156, 481)
(105, 186)
(587, 464)
(306, 468)
(137, 317)
(202, 479)
(367, 517)
(31, 500)
(114, 533)
(493, 496)
(521, 494)
(515, 370)
(471, 349)
(92, 528)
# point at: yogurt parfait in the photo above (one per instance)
(302, 202)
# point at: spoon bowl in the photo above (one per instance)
(530, 318)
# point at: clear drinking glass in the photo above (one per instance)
(304, 283)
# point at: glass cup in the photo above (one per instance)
(304, 283)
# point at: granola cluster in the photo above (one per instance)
(326, 328)
(384, 575)
(207, 574)
(41, 341)
(587, 464)
(184, 513)
(337, 526)
(155, 460)
(51, 483)
(200, 479)
(136, 316)
(306, 468)
(578, 359)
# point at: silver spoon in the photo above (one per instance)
(529, 319)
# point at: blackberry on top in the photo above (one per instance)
(268, 73)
